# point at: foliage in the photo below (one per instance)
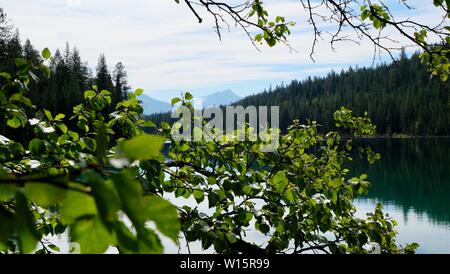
(98, 178)
(298, 197)
(75, 177)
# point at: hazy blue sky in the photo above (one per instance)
(166, 51)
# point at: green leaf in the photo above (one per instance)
(231, 237)
(213, 199)
(336, 183)
(36, 147)
(60, 116)
(14, 122)
(92, 236)
(139, 91)
(411, 248)
(7, 227)
(247, 189)
(289, 195)
(91, 144)
(45, 194)
(188, 96)
(131, 197)
(165, 216)
(242, 214)
(211, 180)
(127, 242)
(54, 247)
(7, 192)
(271, 41)
(377, 23)
(149, 124)
(20, 62)
(104, 92)
(101, 141)
(264, 228)
(105, 195)
(48, 114)
(165, 126)
(77, 205)
(175, 100)
(199, 195)
(89, 94)
(149, 243)
(143, 147)
(26, 225)
(46, 53)
(74, 135)
(139, 209)
(5, 75)
(280, 181)
(62, 127)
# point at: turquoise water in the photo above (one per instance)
(412, 180)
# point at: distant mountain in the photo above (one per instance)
(225, 97)
(152, 105)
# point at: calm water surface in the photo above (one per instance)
(412, 180)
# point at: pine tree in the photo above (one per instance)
(103, 81)
(103, 77)
(13, 50)
(79, 78)
(120, 82)
(5, 27)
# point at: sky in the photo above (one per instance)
(166, 51)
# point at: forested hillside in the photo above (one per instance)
(399, 97)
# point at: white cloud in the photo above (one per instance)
(73, 3)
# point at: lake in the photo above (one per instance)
(412, 180)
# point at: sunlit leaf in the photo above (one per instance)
(143, 147)
(165, 216)
(45, 194)
(92, 235)
(77, 205)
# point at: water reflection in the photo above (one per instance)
(413, 180)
